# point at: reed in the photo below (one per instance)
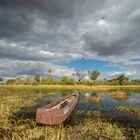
(94, 99)
(118, 95)
(130, 109)
(70, 87)
(81, 125)
(51, 94)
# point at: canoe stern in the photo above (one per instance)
(42, 116)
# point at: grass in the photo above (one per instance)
(82, 125)
(95, 99)
(51, 94)
(71, 87)
(118, 95)
(130, 109)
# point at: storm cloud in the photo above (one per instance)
(55, 32)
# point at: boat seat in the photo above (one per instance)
(64, 104)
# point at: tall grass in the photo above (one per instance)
(130, 109)
(71, 87)
(118, 95)
(80, 126)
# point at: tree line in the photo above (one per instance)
(77, 78)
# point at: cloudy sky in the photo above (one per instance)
(69, 35)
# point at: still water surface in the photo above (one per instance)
(105, 103)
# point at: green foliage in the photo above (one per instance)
(84, 82)
(98, 82)
(37, 78)
(67, 81)
(135, 82)
(49, 70)
(94, 74)
(49, 81)
(29, 81)
(113, 82)
(121, 80)
(10, 81)
(1, 79)
(16, 81)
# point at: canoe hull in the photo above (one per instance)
(50, 114)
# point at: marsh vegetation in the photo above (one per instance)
(91, 120)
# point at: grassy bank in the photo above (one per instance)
(71, 87)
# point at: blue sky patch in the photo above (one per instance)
(90, 64)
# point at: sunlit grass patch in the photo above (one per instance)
(51, 93)
(91, 129)
(118, 95)
(68, 87)
(94, 99)
(83, 127)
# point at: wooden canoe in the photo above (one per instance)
(57, 111)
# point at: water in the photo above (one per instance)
(104, 102)
(108, 105)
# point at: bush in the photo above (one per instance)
(67, 81)
(11, 81)
(49, 81)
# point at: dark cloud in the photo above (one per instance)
(52, 7)
(64, 8)
(58, 31)
(14, 23)
(112, 44)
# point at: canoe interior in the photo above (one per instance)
(56, 104)
(64, 103)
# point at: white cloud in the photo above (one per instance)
(103, 23)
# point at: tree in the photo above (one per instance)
(29, 81)
(49, 71)
(93, 74)
(67, 81)
(123, 80)
(37, 78)
(135, 82)
(49, 81)
(11, 81)
(1, 79)
(80, 75)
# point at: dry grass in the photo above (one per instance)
(131, 109)
(118, 95)
(94, 99)
(71, 87)
(51, 94)
(15, 127)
